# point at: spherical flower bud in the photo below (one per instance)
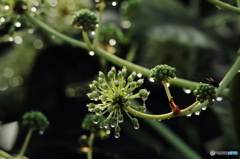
(35, 120)
(205, 92)
(162, 72)
(85, 19)
(93, 87)
(110, 75)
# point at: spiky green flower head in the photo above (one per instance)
(35, 120)
(114, 92)
(91, 123)
(205, 92)
(162, 73)
(85, 19)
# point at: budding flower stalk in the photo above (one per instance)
(114, 91)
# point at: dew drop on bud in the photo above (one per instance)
(204, 108)
(136, 126)
(117, 134)
(113, 124)
(188, 115)
(91, 53)
(197, 112)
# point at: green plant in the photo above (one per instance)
(114, 91)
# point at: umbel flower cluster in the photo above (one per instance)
(85, 19)
(35, 120)
(205, 92)
(162, 73)
(114, 93)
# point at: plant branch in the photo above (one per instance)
(101, 9)
(173, 139)
(225, 6)
(5, 155)
(90, 143)
(162, 116)
(110, 57)
(25, 144)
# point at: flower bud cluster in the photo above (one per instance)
(85, 19)
(35, 120)
(162, 73)
(205, 92)
(114, 91)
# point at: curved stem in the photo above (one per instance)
(225, 6)
(110, 57)
(167, 90)
(162, 116)
(90, 143)
(25, 144)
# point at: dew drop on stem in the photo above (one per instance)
(197, 112)
(204, 108)
(136, 126)
(117, 134)
(108, 132)
(188, 115)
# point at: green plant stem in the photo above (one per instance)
(25, 144)
(167, 90)
(225, 6)
(162, 116)
(90, 143)
(172, 139)
(5, 155)
(86, 39)
(97, 30)
(110, 57)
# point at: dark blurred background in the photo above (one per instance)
(41, 72)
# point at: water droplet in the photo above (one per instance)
(238, 71)
(125, 24)
(159, 120)
(117, 134)
(120, 119)
(113, 124)
(197, 112)
(112, 42)
(95, 121)
(139, 75)
(219, 99)
(108, 132)
(10, 38)
(6, 7)
(33, 9)
(93, 32)
(168, 84)
(106, 124)
(114, 3)
(91, 53)
(204, 108)
(41, 132)
(18, 40)
(136, 126)
(188, 115)
(98, 113)
(151, 79)
(187, 91)
(2, 19)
